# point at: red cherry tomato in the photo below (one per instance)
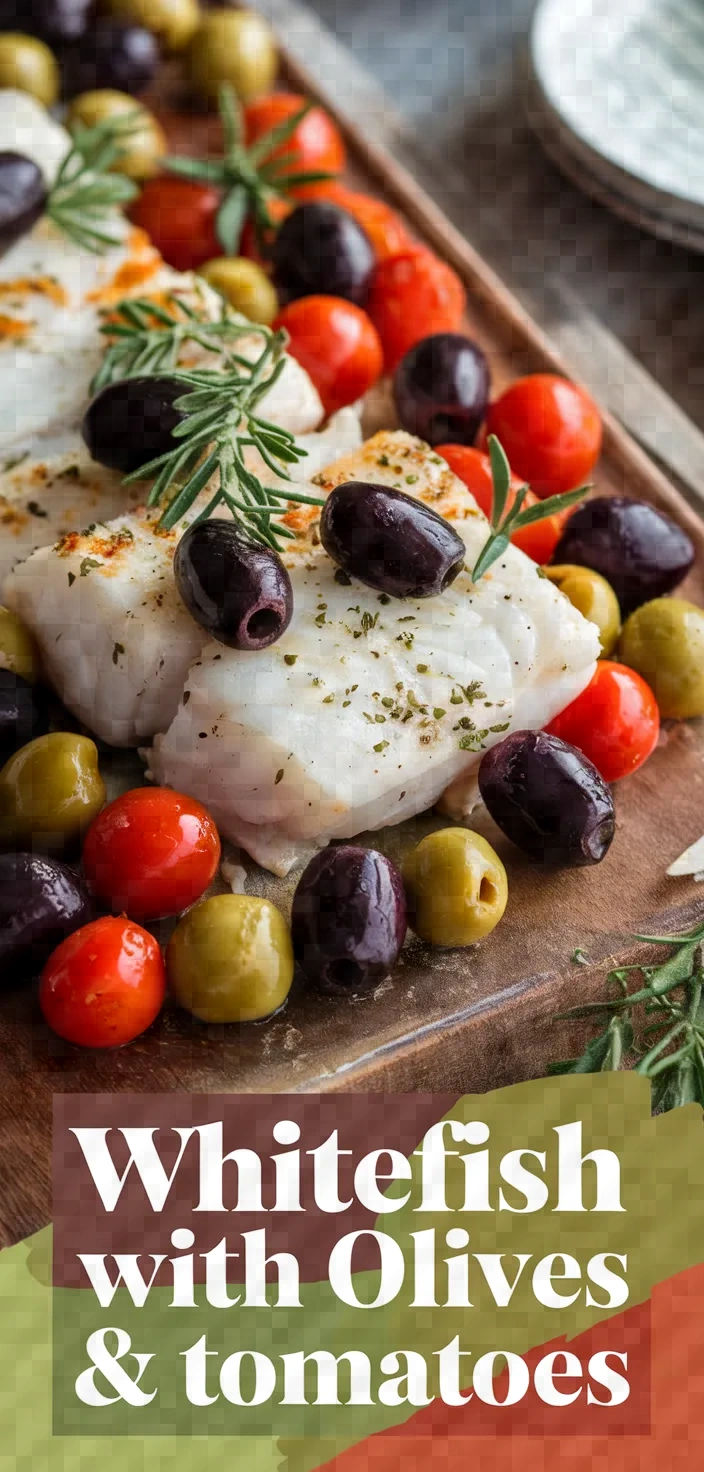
(337, 345)
(104, 985)
(151, 852)
(551, 432)
(474, 468)
(383, 225)
(179, 216)
(316, 144)
(413, 295)
(615, 721)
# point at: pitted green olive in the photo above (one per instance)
(235, 46)
(18, 648)
(50, 792)
(244, 285)
(173, 22)
(664, 641)
(142, 147)
(29, 65)
(230, 959)
(593, 596)
(456, 887)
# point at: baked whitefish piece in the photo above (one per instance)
(56, 297)
(369, 709)
(115, 638)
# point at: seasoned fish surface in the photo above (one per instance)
(115, 637)
(368, 709)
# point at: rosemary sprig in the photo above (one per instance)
(220, 423)
(250, 178)
(659, 1027)
(85, 194)
(503, 526)
(148, 337)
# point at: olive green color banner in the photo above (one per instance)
(659, 1231)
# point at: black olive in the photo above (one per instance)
(548, 798)
(236, 589)
(23, 195)
(54, 21)
(41, 902)
(390, 541)
(322, 249)
(441, 388)
(348, 921)
(24, 712)
(132, 422)
(113, 55)
(641, 552)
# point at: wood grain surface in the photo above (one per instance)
(461, 1021)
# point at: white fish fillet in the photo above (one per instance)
(53, 297)
(56, 490)
(27, 128)
(367, 710)
(115, 637)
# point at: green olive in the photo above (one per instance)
(664, 642)
(457, 887)
(50, 791)
(18, 648)
(233, 46)
(244, 285)
(230, 959)
(29, 65)
(145, 144)
(593, 596)
(173, 22)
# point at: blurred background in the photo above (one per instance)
(454, 68)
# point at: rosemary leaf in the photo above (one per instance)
(503, 525)
(230, 220)
(250, 177)
(85, 196)
(219, 424)
(145, 337)
(670, 1047)
(501, 476)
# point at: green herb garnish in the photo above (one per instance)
(250, 178)
(220, 423)
(658, 1029)
(503, 526)
(85, 194)
(146, 337)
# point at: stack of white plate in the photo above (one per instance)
(617, 96)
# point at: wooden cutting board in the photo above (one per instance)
(463, 1021)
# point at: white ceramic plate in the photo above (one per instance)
(624, 83)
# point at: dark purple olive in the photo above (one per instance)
(23, 195)
(237, 590)
(348, 920)
(389, 541)
(41, 901)
(548, 799)
(24, 713)
(54, 21)
(132, 422)
(322, 249)
(641, 552)
(111, 54)
(441, 388)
